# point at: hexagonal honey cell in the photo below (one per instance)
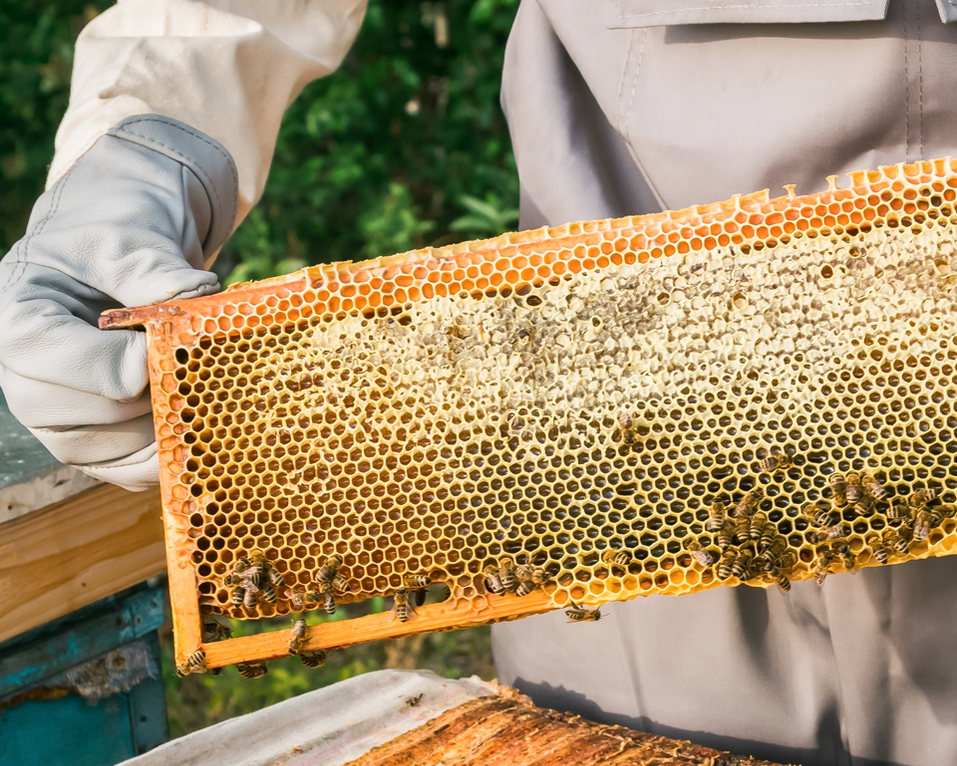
(759, 391)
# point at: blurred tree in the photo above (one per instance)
(385, 154)
(36, 60)
(485, 217)
(380, 157)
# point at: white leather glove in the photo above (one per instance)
(130, 224)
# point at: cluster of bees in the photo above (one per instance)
(505, 576)
(749, 546)
(744, 544)
(254, 577)
(860, 496)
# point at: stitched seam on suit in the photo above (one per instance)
(906, 90)
(205, 139)
(742, 6)
(634, 83)
(24, 244)
(920, 90)
(621, 85)
(631, 99)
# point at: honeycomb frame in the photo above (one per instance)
(556, 394)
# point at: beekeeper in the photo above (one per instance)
(615, 107)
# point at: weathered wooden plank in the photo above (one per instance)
(30, 477)
(110, 624)
(75, 552)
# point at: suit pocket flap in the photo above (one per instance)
(627, 14)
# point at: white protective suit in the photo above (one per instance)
(623, 107)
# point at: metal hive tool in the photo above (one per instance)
(573, 399)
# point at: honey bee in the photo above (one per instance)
(726, 564)
(833, 532)
(402, 609)
(873, 487)
(234, 576)
(898, 541)
(329, 599)
(758, 522)
(268, 593)
(525, 587)
(782, 580)
(506, 574)
(716, 517)
(775, 569)
(416, 581)
(940, 512)
(725, 536)
(742, 567)
(341, 584)
(581, 614)
(252, 669)
(768, 536)
(492, 581)
(864, 506)
(195, 663)
(215, 628)
(921, 498)
(771, 556)
(822, 568)
(255, 578)
(899, 509)
(702, 555)
(529, 578)
(878, 548)
(773, 463)
(841, 547)
(297, 598)
(838, 488)
(255, 573)
(742, 530)
(616, 557)
(329, 569)
(313, 659)
(528, 572)
(626, 426)
(749, 503)
(297, 636)
(922, 524)
(820, 513)
(854, 490)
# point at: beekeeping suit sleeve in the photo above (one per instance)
(621, 107)
(174, 111)
(228, 68)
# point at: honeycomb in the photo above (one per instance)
(569, 408)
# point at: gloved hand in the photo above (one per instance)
(132, 223)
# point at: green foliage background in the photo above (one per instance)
(405, 146)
